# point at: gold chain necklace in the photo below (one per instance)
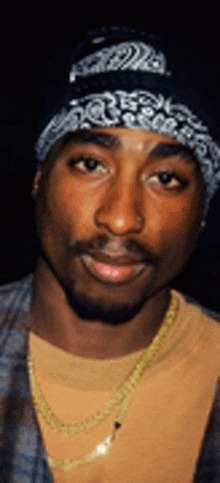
(121, 399)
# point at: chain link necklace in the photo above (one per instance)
(121, 398)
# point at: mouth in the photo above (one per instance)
(112, 270)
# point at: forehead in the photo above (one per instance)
(118, 138)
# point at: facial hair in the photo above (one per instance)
(101, 310)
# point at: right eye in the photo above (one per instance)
(87, 165)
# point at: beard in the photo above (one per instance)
(90, 308)
(101, 310)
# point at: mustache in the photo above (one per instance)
(129, 247)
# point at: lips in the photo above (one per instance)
(114, 270)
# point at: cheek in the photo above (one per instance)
(71, 209)
(174, 224)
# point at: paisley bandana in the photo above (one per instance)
(131, 108)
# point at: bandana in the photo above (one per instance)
(124, 79)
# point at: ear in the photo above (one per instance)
(203, 222)
(205, 213)
(36, 184)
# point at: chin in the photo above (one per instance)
(111, 313)
(107, 310)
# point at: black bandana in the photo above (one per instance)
(121, 77)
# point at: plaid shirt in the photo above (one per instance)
(23, 457)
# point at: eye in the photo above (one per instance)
(87, 164)
(168, 180)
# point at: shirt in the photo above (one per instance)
(24, 444)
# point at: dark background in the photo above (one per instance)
(25, 51)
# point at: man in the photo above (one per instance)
(108, 374)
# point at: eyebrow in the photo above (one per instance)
(108, 141)
(112, 142)
(166, 150)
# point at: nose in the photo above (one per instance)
(121, 212)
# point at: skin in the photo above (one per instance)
(119, 199)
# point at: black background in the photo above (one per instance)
(26, 48)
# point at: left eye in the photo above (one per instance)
(88, 165)
(167, 179)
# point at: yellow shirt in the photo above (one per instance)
(163, 430)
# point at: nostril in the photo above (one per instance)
(119, 223)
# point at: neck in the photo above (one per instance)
(56, 322)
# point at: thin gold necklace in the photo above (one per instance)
(121, 399)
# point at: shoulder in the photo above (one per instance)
(16, 296)
(199, 308)
(204, 323)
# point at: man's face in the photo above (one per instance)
(118, 215)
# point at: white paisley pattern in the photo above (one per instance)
(124, 56)
(137, 109)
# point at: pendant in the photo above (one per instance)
(103, 448)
